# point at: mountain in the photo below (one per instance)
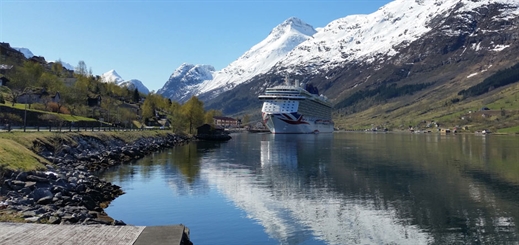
(65, 65)
(25, 51)
(132, 84)
(185, 81)
(111, 76)
(259, 59)
(409, 60)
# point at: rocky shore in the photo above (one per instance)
(68, 191)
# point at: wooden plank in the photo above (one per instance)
(161, 235)
(36, 234)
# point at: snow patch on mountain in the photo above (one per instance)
(112, 76)
(370, 37)
(64, 64)
(26, 52)
(133, 84)
(67, 66)
(184, 81)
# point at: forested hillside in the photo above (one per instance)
(50, 91)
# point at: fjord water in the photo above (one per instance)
(341, 188)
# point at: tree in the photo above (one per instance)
(57, 68)
(246, 119)
(136, 96)
(149, 106)
(81, 69)
(23, 77)
(50, 82)
(210, 114)
(193, 112)
(178, 124)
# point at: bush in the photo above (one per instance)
(40, 107)
(10, 118)
(54, 107)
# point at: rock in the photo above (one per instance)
(25, 191)
(119, 222)
(39, 193)
(37, 179)
(33, 219)
(45, 200)
(68, 193)
(89, 203)
(54, 220)
(30, 184)
(69, 218)
(29, 214)
(21, 176)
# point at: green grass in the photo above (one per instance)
(11, 216)
(65, 117)
(511, 130)
(16, 156)
(17, 149)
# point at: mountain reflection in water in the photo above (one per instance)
(290, 195)
(346, 188)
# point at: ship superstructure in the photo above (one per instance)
(296, 109)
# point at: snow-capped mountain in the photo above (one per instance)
(259, 59)
(111, 76)
(423, 48)
(65, 65)
(26, 52)
(133, 84)
(376, 36)
(184, 81)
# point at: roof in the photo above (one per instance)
(5, 67)
(224, 118)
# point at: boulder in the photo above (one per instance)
(40, 193)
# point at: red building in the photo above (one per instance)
(226, 122)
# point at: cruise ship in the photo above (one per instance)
(296, 109)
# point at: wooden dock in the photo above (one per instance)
(39, 234)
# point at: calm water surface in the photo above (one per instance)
(342, 188)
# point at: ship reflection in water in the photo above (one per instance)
(289, 198)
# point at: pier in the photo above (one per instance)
(36, 234)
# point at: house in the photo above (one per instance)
(208, 132)
(35, 96)
(5, 68)
(226, 121)
(56, 98)
(3, 81)
(41, 96)
(96, 101)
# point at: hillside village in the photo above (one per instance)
(37, 93)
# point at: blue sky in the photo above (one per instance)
(148, 40)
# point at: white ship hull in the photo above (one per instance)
(284, 123)
(296, 110)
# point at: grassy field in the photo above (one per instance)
(17, 157)
(503, 116)
(64, 117)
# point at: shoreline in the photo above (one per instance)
(68, 190)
